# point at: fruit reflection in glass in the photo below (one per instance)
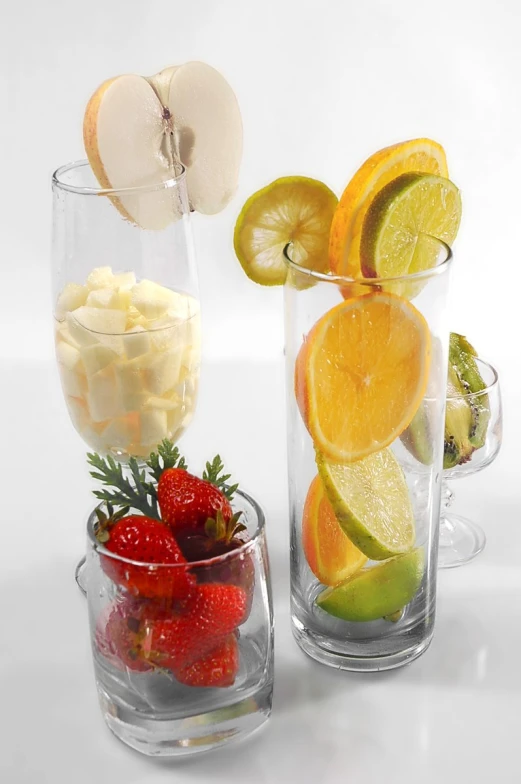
(362, 357)
(182, 645)
(472, 440)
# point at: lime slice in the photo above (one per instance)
(371, 502)
(413, 205)
(291, 209)
(376, 592)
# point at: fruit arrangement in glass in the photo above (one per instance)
(365, 281)
(179, 603)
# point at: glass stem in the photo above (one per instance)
(446, 527)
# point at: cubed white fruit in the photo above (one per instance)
(68, 355)
(63, 333)
(124, 280)
(162, 372)
(161, 403)
(73, 296)
(166, 333)
(151, 299)
(103, 399)
(100, 278)
(120, 433)
(93, 439)
(136, 342)
(107, 321)
(154, 426)
(79, 334)
(97, 357)
(174, 420)
(123, 299)
(130, 380)
(78, 412)
(102, 298)
(73, 383)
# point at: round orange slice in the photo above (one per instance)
(361, 374)
(331, 555)
(416, 155)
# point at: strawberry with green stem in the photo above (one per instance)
(147, 541)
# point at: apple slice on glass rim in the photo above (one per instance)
(136, 129)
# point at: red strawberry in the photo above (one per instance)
(210, 613)
(149, 541)
(116, 638)
(221, 538)
(186, 502)
(218, 668)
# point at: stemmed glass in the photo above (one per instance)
(126, 310)
(462, 539)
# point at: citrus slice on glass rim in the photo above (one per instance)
(291, 209)
(361, 374)
(416, 155)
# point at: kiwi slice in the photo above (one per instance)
(466, 419)
(462, 357)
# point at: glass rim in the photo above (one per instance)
(214, 561)
(58, 182)
(329, 277)
(486, 390)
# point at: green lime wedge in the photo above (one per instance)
(402, 217)
(371, 502)
(376, 592)
(291, 209)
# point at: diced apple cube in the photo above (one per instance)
(151, 299)
(130, 379)
(100, 278)
(120, 433)
(162, 372)
(73, 296)
(63, 333)
(103, 298)
(68, 355)
(123, 299)
(154, 426)
(136, 342)
(97, 357)
(103, 399)
(167, 333)
(78, 412)
(124, 280)
(74, 384)
(107, 321)
(161, 403)
(80, 334)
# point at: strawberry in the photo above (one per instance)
(116, 639)
(149, 541)
(221, 537)
(218, 668)
(186, 502)
(172, 636)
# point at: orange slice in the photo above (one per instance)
(417, 155)
(361, 374)
(331, 555)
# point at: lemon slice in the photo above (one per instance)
(371, 502)
(291, 209)
(379, 591)
(401, 219)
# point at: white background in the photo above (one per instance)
(321, 85)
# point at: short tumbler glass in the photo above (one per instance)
(191, 672)
(385, 618)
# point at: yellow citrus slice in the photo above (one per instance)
(291, 209)
(331, 555)
(371, 502)
(416, 155)
(361, 374)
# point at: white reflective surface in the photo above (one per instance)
(452, 716)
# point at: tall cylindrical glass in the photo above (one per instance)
(366, 372)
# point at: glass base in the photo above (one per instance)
(461, 541)
(163, 737)
(318, 649)
(80, 575)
